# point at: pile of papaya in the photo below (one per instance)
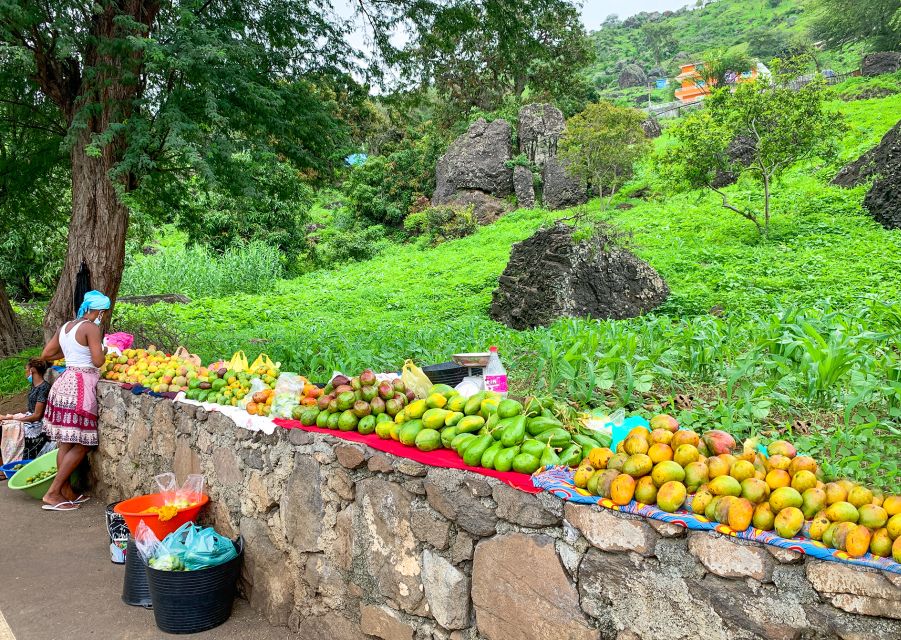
(489, 431)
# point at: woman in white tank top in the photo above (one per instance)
(70, 418)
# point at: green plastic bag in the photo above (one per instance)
(198, 547)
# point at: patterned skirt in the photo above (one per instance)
(71, 414)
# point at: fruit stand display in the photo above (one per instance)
(746, 488)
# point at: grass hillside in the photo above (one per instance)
(810, 330)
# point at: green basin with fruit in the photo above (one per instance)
(35, 477)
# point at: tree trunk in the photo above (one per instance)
(12, 340)
(99, 218)
(96, 233)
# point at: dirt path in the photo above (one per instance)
(13, 404)
(58, 582)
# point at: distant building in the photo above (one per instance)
(694, 87)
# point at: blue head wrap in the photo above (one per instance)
(93, 301)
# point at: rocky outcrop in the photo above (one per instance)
(540, 127)
(632, 76)
(883, 200)
(874, 64)
(652, 128)
(485, 208)
(561, 190)
(549, 277)
(740, 151)
(875, 161)
(524, 186)
(477, 161)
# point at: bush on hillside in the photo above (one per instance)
(440, 224)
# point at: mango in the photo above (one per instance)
(782, 448)
(857, 541)
(894, 526)
(835, 493)
(661, 436)
(842, 512)
(779, 462)
(605, 481)
(785, 497)
(724, 486)
(721, 512)
(859, 496)
(829, 533)
(754, 490)
(665, 471)
(818, 526)
(622, 489)
(718, 466)
(872, 516)
(592, 485)
(600, 456)
(741, 511)
(763, 517)
(892, 505)
(846, 484)
(700, 500)
(636, 444)
(803, 480)
(583, 475)
(685, 454)
(671, 496)
(788, 522)
(664, 421)
(718, 442)
(696, 474)
(813, 501)
(660, 452)
(684, 436)
(639, 430)
(646, 490)
(638, 465)
(802, 463)
(877, 498)
(896, 549)
(617, 461)
(710, 509)
(777, 478)
(742, 470)
(841, 533)
(881, 543)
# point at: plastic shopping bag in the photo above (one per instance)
(256, 385)
(120, 340)
(238, 362)
(415, 379)
(264, 360)
(188, 548)
(289, 383)
(167, 486)
(146, 542)
(191, 492)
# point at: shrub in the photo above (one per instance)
(440, 224)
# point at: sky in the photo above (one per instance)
(594, 11)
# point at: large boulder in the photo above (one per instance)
(477, 161)
(549, 276)
(875, 64)
(632, 76)
(875, 161)
(652, 128)
(740, 150)
(883, 200)
(560, 189)
(524, 186)
(485, 208)
(540, 127)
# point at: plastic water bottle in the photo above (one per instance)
(495, 374)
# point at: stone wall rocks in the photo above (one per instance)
(346, 543)
(539, 130)
(874, 64)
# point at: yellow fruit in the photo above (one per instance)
(788, 522)
(622, 489)
(646, 490)
(684, 436)
(637, 443)
(763, 517)
(785, 497)
(599, 456)
(742, 470)
(582, 476)
(818, 525)
(685, 454)
(842, 512)
(803, 480)
(436, 401)
(835, 493)
(696, 474)
(754, 490)
(718, 466)
(894, 526)
(802, 463)
(741, 512)
(724, 486)
(881, 543)
(778, 462)
(814, 500)
(857, 541)
(415, 409)
(700, 500)
(659, 452)
(859, 496)
(661, 436)
(638, 465)
(671, 496)
(665, 471)
(872, 516)
(896, 549)
(892, 505)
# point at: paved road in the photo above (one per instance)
(57, 582)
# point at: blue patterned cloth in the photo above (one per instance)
(559, 481)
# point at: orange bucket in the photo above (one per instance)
(132, 510)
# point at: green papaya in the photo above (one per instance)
(473, 454)
(491, 452)
(515, 431)
(549, 456)
(383, 429)
(525, 463)
(571, 456)
(453, 418)
(470, 424)
(322, 420)
(409, 431)
(508, 408)
(447, 436)
(533, 447)
(533, 407)
(474, 404)
(434, 418)
(584, 440)
(503, 461)
(492, 421)
(459, 441)
(554, 437)
(547, 413)
(366, 425)
(428, 440)
(498, 429)
(541, 424)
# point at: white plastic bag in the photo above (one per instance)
(256, 385)
(470, 385)
(167, 486)
(191, 492)
(146, 542)
(415, 379)
(289, 383)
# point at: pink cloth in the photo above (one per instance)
(438, 458)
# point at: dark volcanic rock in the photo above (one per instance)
(883, 200)
(875, 64)
(549, 277)
(885, 154)
(486, 208)
(560, 189)
(476, 161)
(651, 128)
(540, 127)
(740, 150)
(632, 76)
(523, 186)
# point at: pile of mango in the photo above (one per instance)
(777, 491)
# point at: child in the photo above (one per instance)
(23, 437)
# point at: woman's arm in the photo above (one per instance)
(95, 344)
(37, 414)
(52, 350)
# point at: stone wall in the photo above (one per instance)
(344, 542)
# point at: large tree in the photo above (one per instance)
(144, 89)
(877, 23)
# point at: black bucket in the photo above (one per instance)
(194, 601)
(135, 590)
(449, 373)
(118, 534)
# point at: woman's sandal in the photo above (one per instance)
(61, 506)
